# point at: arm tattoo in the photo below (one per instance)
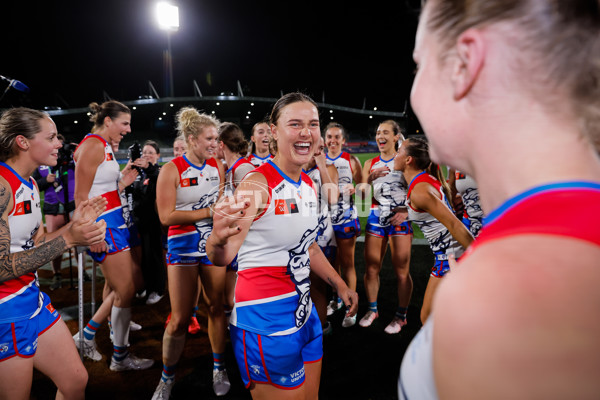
(20, 263)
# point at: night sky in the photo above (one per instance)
(70, 52)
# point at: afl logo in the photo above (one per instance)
(3, 348)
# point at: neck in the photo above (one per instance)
(543, 152)
(387, 154)
(194, 158)
(262, 153)
(21, 167)
(410, 173)
(230, 158)
(292, 170)
(331, 154)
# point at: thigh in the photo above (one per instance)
(183, 289)
(346, 251)
(400, 246)
(54, 222)
(213, 281)
(57, 356)
(118, 269)
(17, 375)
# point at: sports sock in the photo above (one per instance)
(219, 361)
(168, 373)
(373, 306)
(401, 313)
(120, 319)
(89, 332)
(194, 311)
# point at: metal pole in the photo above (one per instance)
(169, 63)
(80, 267)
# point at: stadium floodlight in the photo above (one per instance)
(167, 16)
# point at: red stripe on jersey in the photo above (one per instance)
(113, 198)
(263, 282)
(179, 229)
(12, 286)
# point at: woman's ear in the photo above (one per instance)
(468, 62)
(22, 142)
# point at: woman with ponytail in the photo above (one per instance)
(508, 92)
(429, 208)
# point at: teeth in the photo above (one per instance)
(303, 144)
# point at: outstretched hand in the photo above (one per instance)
(227, 214)
(350, 299)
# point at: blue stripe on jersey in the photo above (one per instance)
(512, 202)
(29, 184)
(284, 176)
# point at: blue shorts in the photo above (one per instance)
(347, 230)
(278, 360)
(118, 239)
(233, 266)
(441, 266)
(20, 338)
(375, 229)
(182, 261)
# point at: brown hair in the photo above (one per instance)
(233, 137)
(152, 144)
(336, 125)
(397, 129)
(18, 121)
(558, 43)
(111, 109)
(286, 100)
(418, 149)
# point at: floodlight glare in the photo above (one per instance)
(167, 16)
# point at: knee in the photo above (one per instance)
(74, 386)
(178, 324)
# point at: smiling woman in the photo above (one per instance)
(274, 323)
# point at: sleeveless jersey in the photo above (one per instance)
(345, 210)
(230, 174)
(258, 161)
(326, 235)
(532, 212)
(20, 298)
(198, 188)
(105, 184)
(389, 191)
(272, 292)
(467, 188)
(440, 240)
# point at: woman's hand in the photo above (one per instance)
(227, 214)
(84, 230)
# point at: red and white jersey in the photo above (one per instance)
(272, 293)
(345, 210)
(105, 184)
(440, 240)
(198, 188)
(230, 174)
(20, 298)
(258, 161)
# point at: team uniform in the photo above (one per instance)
(258, 161)
(325, 236)
(121, 235)
(230, 187)
(25, 311)
(440, 240)
(275, 328)
(473, 214)
(198, 188)
(344, 215)
(389, 193)
(531, 212)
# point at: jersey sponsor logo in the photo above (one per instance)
(285, 206)
(187, 182)
(109, 157)
(4, 347)
(23, 208)
(255, 369)
(459, 175)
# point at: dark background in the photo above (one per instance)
(72, 52)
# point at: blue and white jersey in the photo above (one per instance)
(272, 293)
(389, 191)
(473, 214)
(440, 240)
(345, 210)
(198, 188)
(326, 235)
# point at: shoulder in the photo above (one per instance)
(6, 198)
(519, 300)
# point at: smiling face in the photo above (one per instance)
(118, 127)
(43, 148)
(386, 138)
(334, 140)
(297, 132)
(204, 146)
(150, 154)
(261, 137)
(178, 148)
